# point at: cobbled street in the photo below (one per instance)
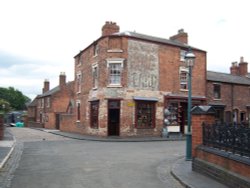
(44, 160)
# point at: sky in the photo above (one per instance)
(39, 38)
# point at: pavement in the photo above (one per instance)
(181, 169)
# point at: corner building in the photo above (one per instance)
(125, 80)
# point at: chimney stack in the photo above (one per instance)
(181, 36)
(243, 68)
(240, 69)
(62, 79)
(110, 28)
(234, 69)
(46, 85)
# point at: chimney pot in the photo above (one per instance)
(110, 28)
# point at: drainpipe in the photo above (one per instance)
(232, 102)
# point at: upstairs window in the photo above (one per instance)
(115, 67)
(183, 78)
(96, 50)
(48, 102)
(115, 73)
(78, 82)
(95, 76)
(182, 55)
(217, 91)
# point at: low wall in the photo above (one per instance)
(227, 168)
(35, 124)
(223, 166)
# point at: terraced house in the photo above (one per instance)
(229, 94)
(125, 80)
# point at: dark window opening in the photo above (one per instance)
(78, 111)
(217, 91)
(94, 112)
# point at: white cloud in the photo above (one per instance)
(47, 34)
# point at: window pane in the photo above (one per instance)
(145, 114)
(115, 73)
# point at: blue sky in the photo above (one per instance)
(39, 38)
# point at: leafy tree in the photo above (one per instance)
(14, 97)
(4, 106)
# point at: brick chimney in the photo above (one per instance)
(234, 69)
(243, 68)
(109, 28)
(46, 85)
(181, 36)
(62, 79)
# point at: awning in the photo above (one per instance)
(154, 99)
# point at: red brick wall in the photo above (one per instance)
(228, 164)
(197, 137)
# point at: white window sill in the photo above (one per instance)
(79, 92)
(215, 99)
(114, 85)
(95, 88)
(115, 51)
(183, 89)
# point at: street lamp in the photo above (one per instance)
(189, 59)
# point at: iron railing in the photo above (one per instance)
(231, 138)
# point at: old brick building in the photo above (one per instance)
(229, 93)
(46, 108)
(124, 80)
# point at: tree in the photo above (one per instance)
(14, 97)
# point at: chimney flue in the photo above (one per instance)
(62, 79)
(46, 85)
(181, 36)
(243, 67)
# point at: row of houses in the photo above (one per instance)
(123, 81)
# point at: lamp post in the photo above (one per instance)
(189, 59)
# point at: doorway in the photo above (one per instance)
(113, 117)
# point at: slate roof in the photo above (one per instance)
(154, 39)
(33, 103)
(227, 78)
(147, 38)
(53, 91)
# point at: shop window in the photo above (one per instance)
(145, 114)
(94, 113)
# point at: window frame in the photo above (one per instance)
(95, 76)
(111, 62)
(153, 113)
(182, 55)
(183, 82)
(79, 82)
(217, 91)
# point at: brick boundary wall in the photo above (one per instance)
(227, 168)
(34, 124)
